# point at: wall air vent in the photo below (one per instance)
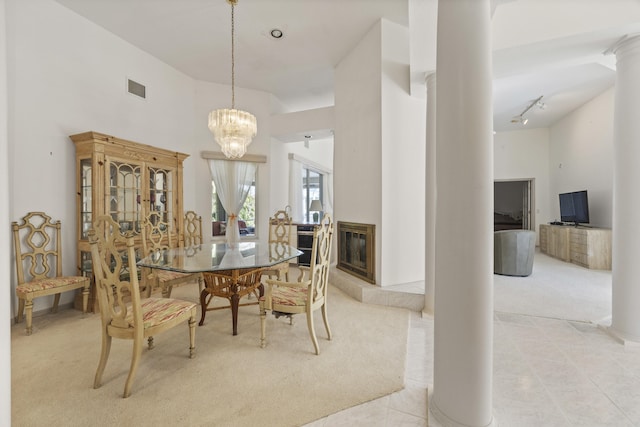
(136, 88)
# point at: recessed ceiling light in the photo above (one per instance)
(276, 33)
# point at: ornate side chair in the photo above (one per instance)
(156, 238)
(192, 229)
(124, 314)
(279, 237)
(38, 251)
(309, 293)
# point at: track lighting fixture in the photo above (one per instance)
(535, 103)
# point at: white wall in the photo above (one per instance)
(66, 75)
(517, 23)
(380, 151)
(576, 153)
(279, 196)
(524, 155)
(5, 239)
(581, 158)
(319, 152)
(358, 136)
(288, 131)
(403, 164)
(301, 123)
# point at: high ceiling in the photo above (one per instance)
(548, 48)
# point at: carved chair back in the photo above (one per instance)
(156, 234)
(192, 229)
(156, 240)
(320, 259)
(279, 240)
(280, 228)
(38, 247)
(114, 266)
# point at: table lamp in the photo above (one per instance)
(315, 207)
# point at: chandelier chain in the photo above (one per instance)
(233, 129)
(233, 59)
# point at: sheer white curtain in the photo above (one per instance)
(295, 190)
(233, 182)
(327, 203)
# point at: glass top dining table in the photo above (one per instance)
(220, 257)
(229, 271)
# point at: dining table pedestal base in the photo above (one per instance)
(232, 285)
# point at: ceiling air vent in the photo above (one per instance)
(136, 88)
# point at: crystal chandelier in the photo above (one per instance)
(232, 129)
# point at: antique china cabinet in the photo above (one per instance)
(126, 180)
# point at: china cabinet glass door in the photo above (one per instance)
(124, 197)
(161, 194)
(86, 188)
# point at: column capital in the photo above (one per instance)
(624, 44)
(429, 76)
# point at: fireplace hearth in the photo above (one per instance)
(356, 253)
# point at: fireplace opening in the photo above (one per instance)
(356, 253)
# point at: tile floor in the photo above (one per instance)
(549, 369)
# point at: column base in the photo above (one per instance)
(437, 418)
(621, 337)
(426, 314)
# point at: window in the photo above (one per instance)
(247, 215)
(312, 189)
(236, 181)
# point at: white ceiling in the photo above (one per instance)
(549, 48)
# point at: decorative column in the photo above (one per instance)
(5, 217)
(430, 199)
(625, 322)
(463, 325)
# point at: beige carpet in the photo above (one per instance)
(231, 382)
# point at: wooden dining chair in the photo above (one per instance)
(309, 293)
(124, 314)
(38, 252)
(156, 239)
(192, 229)
(279, 236)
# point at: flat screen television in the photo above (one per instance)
(574, 207)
